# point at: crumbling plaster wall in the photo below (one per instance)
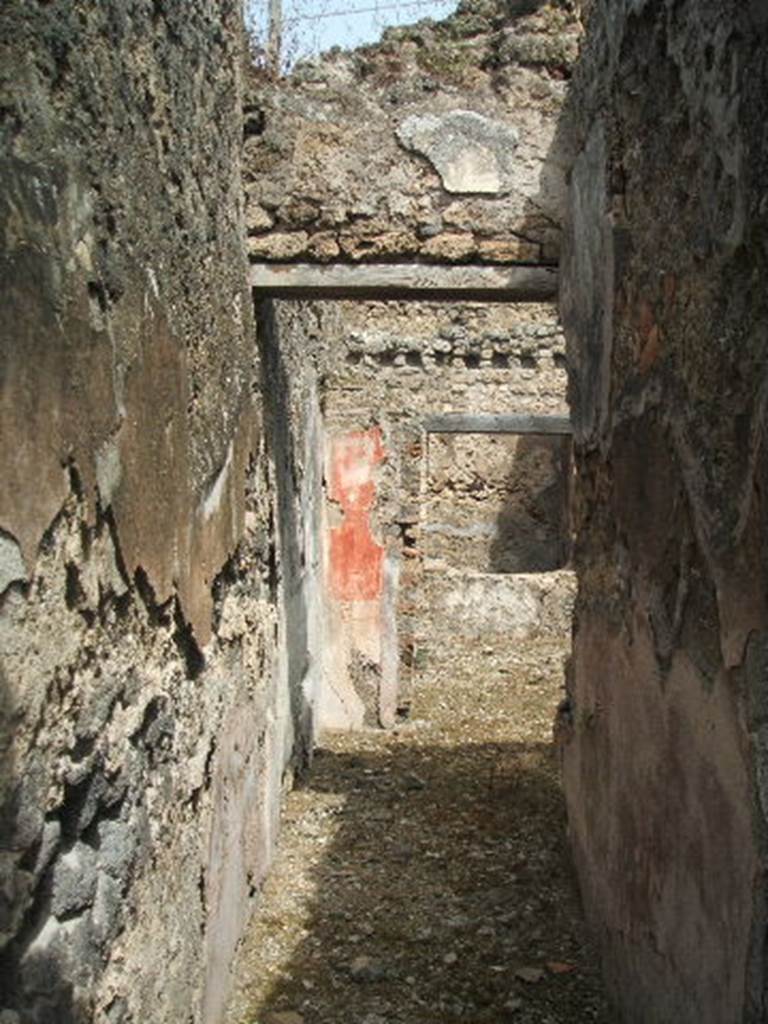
(144, 729)
(666, 314)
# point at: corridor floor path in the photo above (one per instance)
(422, 875)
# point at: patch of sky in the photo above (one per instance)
(314, 26)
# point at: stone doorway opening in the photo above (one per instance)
(423, 867)
(496, 542)
(403, 487)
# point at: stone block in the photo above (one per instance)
(470, 152)
(12, 568)
(117, 847)
(450, 247)
(279, 245)
(74, 881)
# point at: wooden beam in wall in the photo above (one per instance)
(404, 281)
(461, 423)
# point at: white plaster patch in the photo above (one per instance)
(473, 170)
(471, 153)
(213, 499)
(109, 471)
(12, 568)
(495, 604)
(152, 278)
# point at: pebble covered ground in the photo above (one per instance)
(422, 875)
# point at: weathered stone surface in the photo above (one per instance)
(278, 246)
(12, 568)
(49, 842)
(258, 218)
(74, 881)
(131, 453)
(117, 847)
(449, 247)
(497, 503)
(495, 606)
(666, 317)
(108, 910)
(489, 125)
(471, 153)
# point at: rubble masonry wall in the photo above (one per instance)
(146, 722)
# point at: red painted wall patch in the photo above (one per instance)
(355, 557)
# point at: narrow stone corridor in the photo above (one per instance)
(338, 408)
(422, 875)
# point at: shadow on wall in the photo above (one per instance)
(287, 570)
(448, 872)
(533, 527)
(55, 1003)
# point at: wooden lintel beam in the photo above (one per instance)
(461, 423)
(404, 281)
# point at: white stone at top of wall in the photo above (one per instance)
(471, 153)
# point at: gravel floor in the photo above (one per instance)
(422, 875)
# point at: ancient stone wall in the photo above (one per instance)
(144, 731)
(294, 358)
(666, 314)
(497, 503)
(395, 551)
(439, 144)
(452, 511)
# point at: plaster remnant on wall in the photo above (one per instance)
(214, 497)
(109, 471)
(515, 607)
(356, 558)
(12, 567)
(471, 153)
(152, 278)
